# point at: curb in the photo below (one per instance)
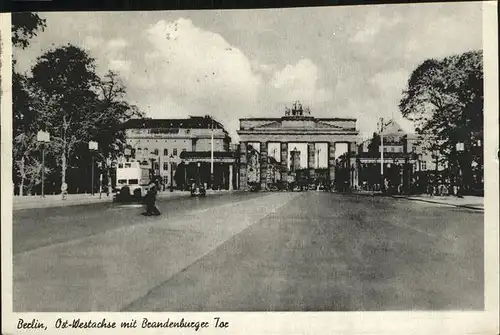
(440, 203)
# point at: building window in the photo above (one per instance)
(145, 151)
(174, 166)
(183, 150)
(424, 165)
(165, 152)
(165, 166)
(155, 152)
(175, 152)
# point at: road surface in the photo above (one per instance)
(310, 251)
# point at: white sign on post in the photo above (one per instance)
(43, 136)
(93, 145)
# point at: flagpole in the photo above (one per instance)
(382, 185)
(212, 153)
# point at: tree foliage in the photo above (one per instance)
(374, 145)
(25, 25)
(444, 98)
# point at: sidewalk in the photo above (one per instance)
(471, 202)
(36, 201)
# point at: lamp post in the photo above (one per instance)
(198, 181)
(460, 148)
(93, 146)
(43, 137)
(478, 166)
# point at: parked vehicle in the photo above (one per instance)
(198, 190)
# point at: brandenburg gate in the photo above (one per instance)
(296, 126)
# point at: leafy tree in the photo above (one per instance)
(444, 98)
(374, 145)
(64, 79)
(25, 25)
(77, 106)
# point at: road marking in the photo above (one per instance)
(129, 206)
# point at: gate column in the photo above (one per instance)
(331, 163)
(263, 166)
(284, 157)
(243, 166)
(284, 160)
(353, 166)
(311, 159)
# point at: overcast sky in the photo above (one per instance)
(349, 61)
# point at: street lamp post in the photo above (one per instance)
(100, 179)
(460, 148)
(198, 173)
(93, 146)
(43, 137)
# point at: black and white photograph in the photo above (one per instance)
(316, 159)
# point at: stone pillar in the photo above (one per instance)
(193, 144)
(263, 166)
(331, 163)
(354, 167)
(284, 161)
(355, 175)
(243, 166)
(230, 176)
(311, 159)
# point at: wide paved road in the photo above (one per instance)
(309, 251)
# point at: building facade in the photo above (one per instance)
(164, 145)
(405, 160)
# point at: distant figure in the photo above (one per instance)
(150, 201)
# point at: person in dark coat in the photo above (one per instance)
(150, 201)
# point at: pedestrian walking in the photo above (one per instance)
(150, 201)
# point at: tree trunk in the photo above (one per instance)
(108, 176)
(63, 166)
(21, 186)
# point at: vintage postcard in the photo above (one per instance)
(259, 171)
